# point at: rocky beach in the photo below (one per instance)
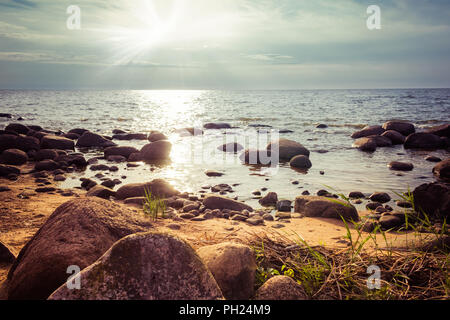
(67, 200)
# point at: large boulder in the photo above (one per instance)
(94, 140)
(56, 142)
(404, 127)
(156, 151)
(158, 187)
(145, 266)
(312, 206)
(17, 127)
(120, 151)
(287, 149)
(233, 266)
(77, 233)
(6, 256)
(423, 140)
(442, 130)
(368, 131)
(394, 136)
(442, 170)
(365, 144)
(218, 202)
(7, 170)
(14, 157)
(433, 199)
(281, 288)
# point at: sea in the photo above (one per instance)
(256, 118)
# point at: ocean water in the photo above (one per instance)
(343, 111)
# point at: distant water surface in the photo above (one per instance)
(343, 111)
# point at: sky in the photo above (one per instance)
(227, 44)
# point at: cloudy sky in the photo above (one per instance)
(227, 44)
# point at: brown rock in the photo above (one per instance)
(157, 187)
(442, 170)
(433, 199)
(400, 166)
(6, 256)
(120, 151)
(368, 131)
(404, 127)
(365, 144)
(101, 192)
(394, 136)
(218, 202)
(287, 149)
(90, 139)
(423, 140)
(155, 151)
(14, 157)
(269, 199)
(56, 142)
(281, 288)
(311, 206)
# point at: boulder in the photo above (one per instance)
(281, 288)
(394, 136)
(145, 266)
(368, 131)
(45, 154)
(8, 170)
(46, 165)
(442, 170)
(269, 199)
(287, 149)
(433, 199)
(14, 157)
(312, 206)
(404, 127)
(6, 256)
(156, 136)
(300, 162)
(94, 140)
(231, 147)
(7, 141)
(442, 130)
(101, 191)
(381, 141)
(365, 144)
(400, 166)
(77, 233)
(218, 202)
(156, 151)
(17, 127)
(423, 140)
(256, 157)
(27, 143)
(233, 267)
(389, 222)
(217, 126)
(56, 142)
(158, 187)
(381, 197)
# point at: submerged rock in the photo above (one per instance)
(233, 267)
(77, 233)
(217, 126)
(145, 266)
(231, 147)
(120, 151)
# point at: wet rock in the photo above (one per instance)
(46, 165)
(217, 126)
(155, 151)
(212, 173)
(300, 162)
(284, 205)
(404, 127)
(135, 157)
(268, 217)
(433, 159)
(442, 130)
(156, 136)
(7, 141)
(231, 147)
(6, 115)
(368, 131)
(190, 132)
(17, 127)
(14, 157)
(281, 288)
(73, 159)
(311, 206)
(120, 151)
(365, 144)
(400, 166)
(45, 154)
(88, 183)
(57, 142)
(223, 187)
(218, 202)
(59, 178)
(305, 193)
(158, 187)
(423, 141)
(6, 256)
(77, 233)
(356, 195)
(130, 136)
(404, 204)
(136, 268)
(287, 149)
(116, 159)
(256, 157)
(381, 197)
(78, 131)
(381, 141)
(394, 136)
(101, 192)
(442, 170)
(233, 267)
(433, 199)
(71, 136)
(373, 205)
(94, 140)
(99, 167)
(27, 144)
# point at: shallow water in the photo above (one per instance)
(344, 111)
